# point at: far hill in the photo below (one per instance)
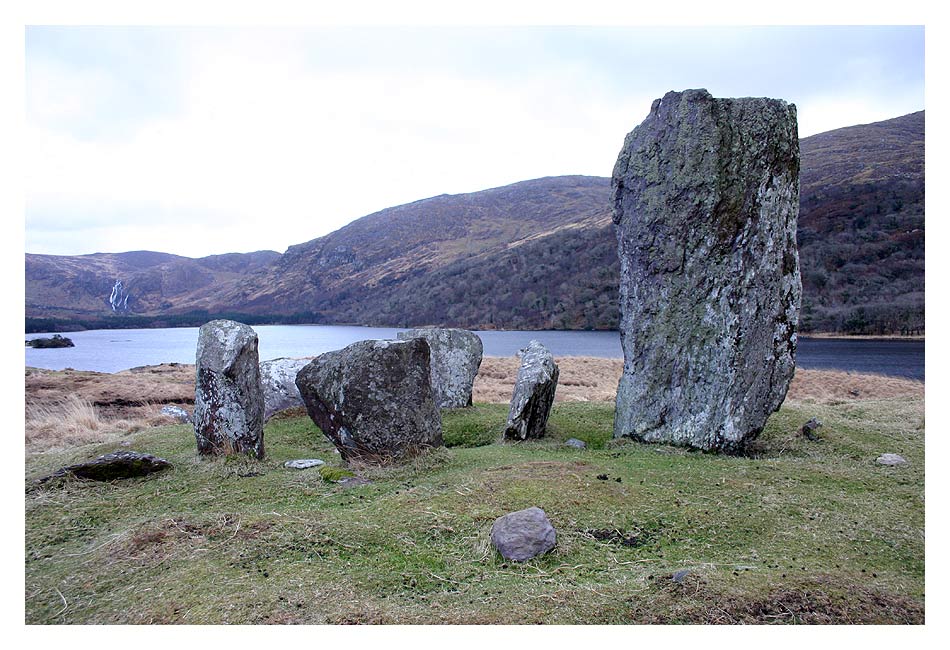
(534, 255)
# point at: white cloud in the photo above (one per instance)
(271, 142)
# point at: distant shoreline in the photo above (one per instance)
(863, 337)
(810, 335)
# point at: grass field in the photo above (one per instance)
(796, 532)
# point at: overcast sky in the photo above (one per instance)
(215, 140)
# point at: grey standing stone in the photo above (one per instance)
(454, 358)
(533, 394)
(117, 465)
(277, 381)
(705, 200)
(524, 534)
(229, 401)
(176, 413)
(891, 459)
(373, 399)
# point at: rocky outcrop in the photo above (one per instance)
(533, 394)
(110, 467)
(524, 534)
(373, 399)
(229, 401)
(454, 358)
(705, 198)
(278, 377)
(55, 341)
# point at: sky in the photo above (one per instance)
(200, 141)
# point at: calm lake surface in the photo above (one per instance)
(114, 350)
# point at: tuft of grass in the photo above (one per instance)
(334, 474)
(69, 421)
(795, 532)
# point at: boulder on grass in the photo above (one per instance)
(176, 413)
(891, 459)
(373, 399)
(229, 400)
(454, 358)
(524, 534)
(278, 377)
(533, 394)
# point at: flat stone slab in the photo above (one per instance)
(575, 443)
(304, 463)
(117, 465)
(891, 459)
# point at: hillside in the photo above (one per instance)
(116, 285)
(534, 255)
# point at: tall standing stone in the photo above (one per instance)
(455, 355)
(533, 394)
(705, 199)
(229, 401)
(373, 399)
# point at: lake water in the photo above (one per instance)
(114, 350)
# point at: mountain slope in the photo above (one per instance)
(536, 254)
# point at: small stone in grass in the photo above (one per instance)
(303, 463)
(891, 459)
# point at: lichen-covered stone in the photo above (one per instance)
(117, 465)
(533, 394)
(454, 358)
(373, 399)
(524, 534)
(229, 400)
(278, 377)
(705, 199)
(177, 413)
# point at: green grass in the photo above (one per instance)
(795, 532)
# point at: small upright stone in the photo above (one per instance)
(524, 534)
(373, 399)
(454, 357)
(810, 429)
(277, 381)
(705, 207)
(533, 394)
(229, 401)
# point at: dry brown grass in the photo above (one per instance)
(70, 421)
(76, 407)
(588, 379)
(582, 379)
